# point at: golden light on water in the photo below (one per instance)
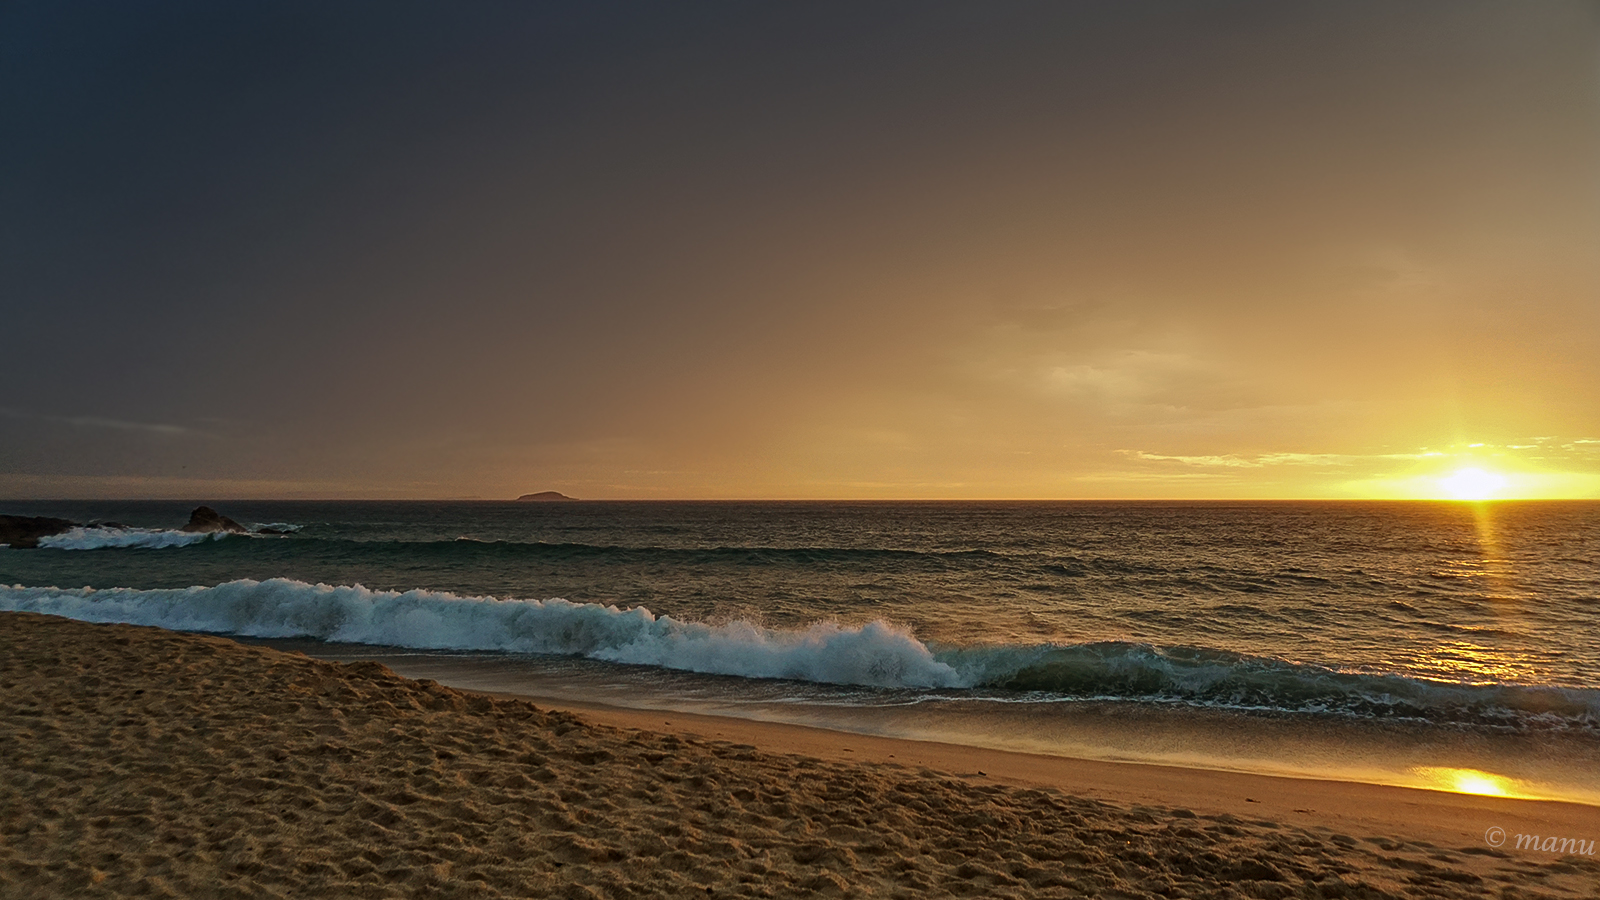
(1467, 781)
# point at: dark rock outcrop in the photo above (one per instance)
(546, 495)
(206, 520)
(24, 532)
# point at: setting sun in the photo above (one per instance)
(1543, 469)
(1472, 484)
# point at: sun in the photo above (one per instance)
(1472, 484)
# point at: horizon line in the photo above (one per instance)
(567, 500)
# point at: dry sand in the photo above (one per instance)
(135, 761)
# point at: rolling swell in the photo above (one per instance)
(876, 654)
(1068, 566)
(1219, 678)
(566, 552)
(754, 556)
(306, 543)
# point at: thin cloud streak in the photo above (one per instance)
(102, 422)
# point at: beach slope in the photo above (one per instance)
(141, 762)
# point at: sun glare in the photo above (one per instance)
(1472, 484)
(1472, 480)
(1467, 781)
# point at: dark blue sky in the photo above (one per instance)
(854, 249)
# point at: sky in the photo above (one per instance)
(991, 250)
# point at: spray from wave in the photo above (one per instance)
(116, 537)
(876, 654)
(101, 538)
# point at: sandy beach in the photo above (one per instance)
(141, 762)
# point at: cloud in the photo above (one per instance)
(1235, 461)
(101, 422)
(1477, 450)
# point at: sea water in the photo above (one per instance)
(1387, 642)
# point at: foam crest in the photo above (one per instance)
(103, 538)
(876, 654)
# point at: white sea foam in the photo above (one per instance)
(102, 538)
(876, 654)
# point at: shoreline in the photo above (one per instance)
(1403, 754)
(1438, 816)
(149, 762)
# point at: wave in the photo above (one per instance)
(467, 548)
(101, 538)
(474, 550)
(104, 537)
(878, 559)
(746, 555)
(876, 654)
(1218, 678)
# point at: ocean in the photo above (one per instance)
(1427, 644)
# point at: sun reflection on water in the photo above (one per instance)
(1499, 582)
(1475, 663)
(1474, 782)
(1468, 781)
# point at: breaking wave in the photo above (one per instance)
(1201, 676)
(877, 654)
(106, 537)
(103, 538)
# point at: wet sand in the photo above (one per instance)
(140, 762)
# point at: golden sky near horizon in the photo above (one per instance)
(1228, 250)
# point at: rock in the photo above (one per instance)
(546, 495)
(206, 520)
(24, 532)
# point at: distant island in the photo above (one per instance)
(546, 495)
